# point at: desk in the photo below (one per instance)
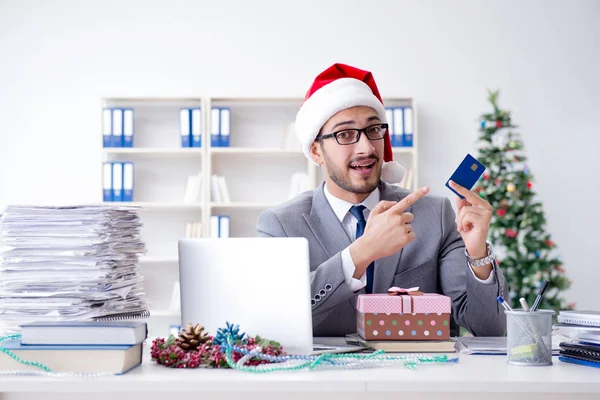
(473, 377)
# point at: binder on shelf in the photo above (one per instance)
(223, 226)
(398, 128)
(107, 194)
(215, 127)
(107, 127)
(117, 127)
(128, 127)
(128, 181)
(185, 123)
(225, 128)
(214, 226)
(117, 181)
(389, 116)
(407, 137)
(196, 131)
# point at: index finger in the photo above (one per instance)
(409, 200)
(469, 195)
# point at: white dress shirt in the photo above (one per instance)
(341, 208)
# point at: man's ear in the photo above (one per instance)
(315, 153)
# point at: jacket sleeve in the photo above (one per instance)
(474, 303)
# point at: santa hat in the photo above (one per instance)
(337, 88)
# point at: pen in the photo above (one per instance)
(504, 304)
(524, 304)
(540, 295)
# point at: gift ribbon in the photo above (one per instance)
(406, 295)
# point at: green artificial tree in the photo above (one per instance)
(525, 252)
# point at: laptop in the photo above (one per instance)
(261, 284)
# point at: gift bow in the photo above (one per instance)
(408, 305)
(396, 291)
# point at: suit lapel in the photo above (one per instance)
(325, 225)
(385, 268)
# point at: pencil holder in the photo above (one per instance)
(529, 337)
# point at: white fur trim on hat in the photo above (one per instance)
(327, 101)
(392, 172)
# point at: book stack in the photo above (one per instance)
(582, 330)
(77, 347)
(219, 190)
(69, 264)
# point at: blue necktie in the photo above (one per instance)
(357, 211)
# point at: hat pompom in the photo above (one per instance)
(392, 172)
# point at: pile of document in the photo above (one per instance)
(69, 263)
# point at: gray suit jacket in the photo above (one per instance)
(435, 262)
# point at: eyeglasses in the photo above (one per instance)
(351, 136)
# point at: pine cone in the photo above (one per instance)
(192, 337)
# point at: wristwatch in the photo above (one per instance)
(482, 261)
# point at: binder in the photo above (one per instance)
(185, 122)
(196, 131)
(107, 127)
(128, 127)
(389, 116)
(128, 181)
(117, 181)
(117, 127)
(224, 226)
(398, 128)
(107, 182)
(225, 128)
(408, 127)
(215, 127)
(214, 226)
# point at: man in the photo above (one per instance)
(365, 235)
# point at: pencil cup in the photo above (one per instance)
(529, 337)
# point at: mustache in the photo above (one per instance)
(372, 158)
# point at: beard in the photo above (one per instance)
(342, 177)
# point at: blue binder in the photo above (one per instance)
(185, 126)
(117, 127)
(215, 127)
(225, 127)
(107, 127)
(398, 127)
(196, 131)
(128, 127)
(107, 194)
(117, 181)
(128, 181)
(408, 127)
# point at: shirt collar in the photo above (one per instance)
(341, 207)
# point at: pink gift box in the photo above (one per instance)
(403, 314)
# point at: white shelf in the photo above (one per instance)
(254, 150)
(156, 151)
(149, 205)
(158, 260)
(403, 150)
(243, 205)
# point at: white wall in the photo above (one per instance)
(57, 59)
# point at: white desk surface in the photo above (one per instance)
(472, 374)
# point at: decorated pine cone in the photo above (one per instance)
(192, 337)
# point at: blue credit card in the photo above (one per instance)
(467, 173)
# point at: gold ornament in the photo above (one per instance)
(192, 337)
(511, 187)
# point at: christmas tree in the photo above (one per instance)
(525, 252)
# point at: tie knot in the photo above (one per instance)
(357, 211)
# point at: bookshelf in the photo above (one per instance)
(258, 166)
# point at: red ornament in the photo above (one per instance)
(498, 124)
(497, 181)
(510, 233)
(549, 243)
(529, 184)
(559, 268)
(486, 176)
(501, 212)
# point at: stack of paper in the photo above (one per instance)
(69, 263)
